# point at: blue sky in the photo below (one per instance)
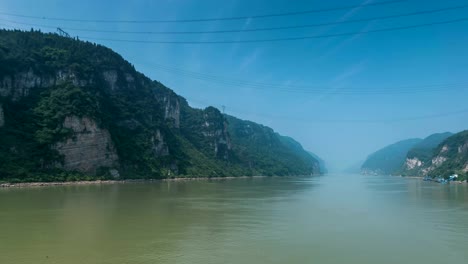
(313, 90)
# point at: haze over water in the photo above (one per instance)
(332, 219)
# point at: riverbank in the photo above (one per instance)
(68, 183)
(422, 179)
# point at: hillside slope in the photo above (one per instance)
(76, 110)
(322, 163)
(421, 154)
(451, 156)
(390, 159)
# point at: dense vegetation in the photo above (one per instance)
(455, 150)
(388, 160)
(322, 164)
(438, 155)
(45, 78)
(424, 150)
(266, 152)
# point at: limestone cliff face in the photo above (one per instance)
(2, 116)
(20, 84)
(159, 146)
(214, 130)
(89, 147)
(172, 110)
(390, 159)
(413, 163)
(451, 156)
(145, 129)
(170, 102)
(421, 156)
(116, 80)
(218, 136)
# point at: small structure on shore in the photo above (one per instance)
(453, 177)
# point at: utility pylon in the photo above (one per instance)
(62, 33)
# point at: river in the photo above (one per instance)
(337, 218)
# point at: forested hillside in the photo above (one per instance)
(438, 155)
(422, 153)
(76, 110)
(450, 157)
(388, 160)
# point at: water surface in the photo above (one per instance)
(329, 219)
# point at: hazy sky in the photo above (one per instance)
(314, 90)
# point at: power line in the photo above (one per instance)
(280, 39)
(248, 30)
(209, 19)
(309, 89)
(318, 119)
(384, 120)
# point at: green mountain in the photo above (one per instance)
(450, 156)
(389, 160)
(422, 153)
(76, 110)
(322, 164)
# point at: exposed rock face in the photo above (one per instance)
(160, 147)
(89, 148)
(2, 116)
(156, 132)
(419, 158)
(114, 173)
(437, 161)
(390, 159)
(452, 156)
(222, 142)
(217, 134)
(413, 163)
(20, 84)
(130, 81)
(172, 109)
(463, 148)
(111, 79)
(444, 149)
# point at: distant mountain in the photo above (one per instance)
(390, 159)
(421, 153)
(450, 156)
(266, 152)
(72, 110)
(354, 168)
(322, 164)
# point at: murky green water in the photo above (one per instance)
(331, 219)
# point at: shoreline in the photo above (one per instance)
(96, 182)
(422, 179)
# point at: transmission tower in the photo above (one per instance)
(62, 33)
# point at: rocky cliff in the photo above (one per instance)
(450, 157)
(88, 147)
(440, 154)
(389, 159)
(421, 154)
(69, 107)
